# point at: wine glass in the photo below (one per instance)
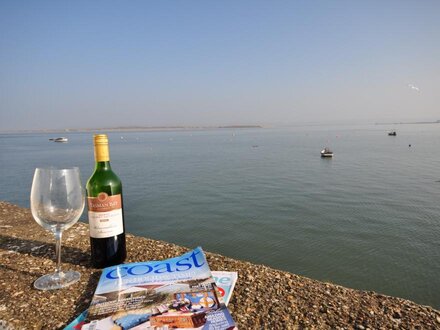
(57, 202)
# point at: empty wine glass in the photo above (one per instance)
(57, 202)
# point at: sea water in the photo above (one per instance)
(369, 218)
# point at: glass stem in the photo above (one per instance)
(58, 235)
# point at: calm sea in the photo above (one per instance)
(369, 218)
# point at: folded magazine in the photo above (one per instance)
(177, 293)
(225, 282)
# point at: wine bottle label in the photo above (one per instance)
(105, 215)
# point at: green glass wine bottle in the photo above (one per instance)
(105, 210)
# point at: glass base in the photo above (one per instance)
(57, 280)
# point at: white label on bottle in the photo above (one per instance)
(106, 224)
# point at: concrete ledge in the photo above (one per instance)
(264, 298)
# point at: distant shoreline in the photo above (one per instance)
(411, 123)
(132, 129)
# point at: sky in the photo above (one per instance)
(90, 64)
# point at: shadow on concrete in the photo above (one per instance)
(41, 249)
(22, 272)
(45, 250)
(81, 303)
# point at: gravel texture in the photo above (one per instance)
(264, 298)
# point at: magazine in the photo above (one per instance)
(178, 293)
(225, 282)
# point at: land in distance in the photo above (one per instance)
(408, 123)
(132, 129)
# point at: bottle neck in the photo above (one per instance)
(103, 165)
(102, 154)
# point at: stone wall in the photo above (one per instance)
(264, 298)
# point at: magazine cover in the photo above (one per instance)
(178, 293)
(225, 282)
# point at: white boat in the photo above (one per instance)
(60, 139)
(326, 152)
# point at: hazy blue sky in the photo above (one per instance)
(121, 63)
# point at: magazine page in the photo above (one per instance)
(225, 282)
(178, 293)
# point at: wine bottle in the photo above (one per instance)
(105, 206)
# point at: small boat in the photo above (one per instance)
(326, 152)
(60, 139)
(392, 133)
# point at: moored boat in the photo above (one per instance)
(60, 139)
(326, 152)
